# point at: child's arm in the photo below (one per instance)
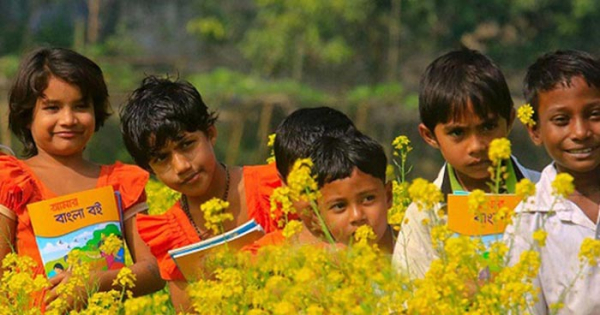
(145, 266)
(179, 297)
(8, 227)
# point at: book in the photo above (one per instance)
(78, 221)
(189, 258)
(465, 222)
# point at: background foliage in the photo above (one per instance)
(254, 61)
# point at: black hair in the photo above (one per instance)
(32, 79)
(336, 157)
(59, 266)
(453, 80)
(297, 133)
(558, 68)
(159, 111)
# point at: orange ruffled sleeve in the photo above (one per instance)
(130, 181)
(259, 183)
(165, 232)
(17, 186)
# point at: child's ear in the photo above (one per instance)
(212, 134)
(534, 134)
(428, 136)
(389, 195)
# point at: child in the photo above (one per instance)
(169, 131)
(350, 173)
(564, 90)
(464, 104)
(58, 101)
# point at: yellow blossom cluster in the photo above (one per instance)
(499, 150)
(401, 146)
(215, 215)
(590, 251)
(111, 244)
(525, 115)
(301, 183)
(562, 185)
(270, 144)
(400, 202)
(425, 194)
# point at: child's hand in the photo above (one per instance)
(74, 300)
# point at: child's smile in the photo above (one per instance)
(569, 126)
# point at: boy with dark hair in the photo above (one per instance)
(350, 173)
(169, 131)
(297, 133)
(563, 87)
(464, 104)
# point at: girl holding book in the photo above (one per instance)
(169, 131)
(58, 100)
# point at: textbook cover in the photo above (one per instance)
(465, 222)
(79, 222)
(189, 258)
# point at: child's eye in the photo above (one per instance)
(490, 126)
(51, 108)
(560, 120)
(82, 106)
(456, 132)
(338, 207)
(158, 159)
(369, 199)
(595, 115)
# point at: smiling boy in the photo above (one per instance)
(563, 88)
(464, 104)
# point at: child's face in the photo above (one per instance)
(569, 126)
(188, 164)
(464, 143)
(62, 121)
(348, 203)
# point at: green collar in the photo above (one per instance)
(511, 181)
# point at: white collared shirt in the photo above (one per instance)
(414, 251)
(566, 226)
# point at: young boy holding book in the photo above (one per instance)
(563, 88)
(350, 171)
(170, 132)
(464, 104)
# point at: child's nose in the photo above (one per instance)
(67, 117)
(580, 129)
(477, 145)
(358, 215)
(180, 163)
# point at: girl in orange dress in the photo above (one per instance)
(169, 131)
(58, 101)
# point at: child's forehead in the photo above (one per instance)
(356, 183)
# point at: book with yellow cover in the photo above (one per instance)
(462, 221)
(189, 259)
(79, 222)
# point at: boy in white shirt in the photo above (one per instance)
(563, 88)
(464, 104)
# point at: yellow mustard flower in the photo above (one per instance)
(292, 228)
(525, 115)
(562, 185)
(425, 194)
(125, 278)
(476, 201)
(589, 251)
(364, 234)
(539, 237)
(111, 244)
(215, 215)
(270, 144)
(499, 150)
(302, 185)
(401, 146)
(525, 188)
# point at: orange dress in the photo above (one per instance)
(173, 229)
(272, 239)
(19, 186)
